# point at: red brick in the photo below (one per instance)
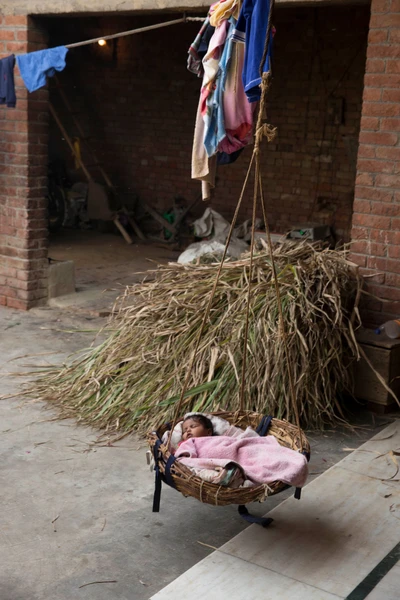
(391, 309)
(377, 36)
(372, 94)
(17, 303)
(358, 259)
(362, 206)
(384, 20)
(379, 139)
(7, 35)
(394, 251)
(10, 21)
(393, 265)
(359, 247)
(364, 179)
(375, 166)
(365, 151)
(386, 209)
(375, 65)
(382, 81)
(392, 181)
(395, 6)
(369, 124)
(16, 47)
(390, 125)
(394, 36)
(380, 6)
(17, 115)
(392, 237)
(22, 36)
(387, 153)
(396, 224)
(376, 263)
(392, 66)
(384, 292)
(372, 193)
(381, 109)
(393, 280)
(371, 221)
(384, 51)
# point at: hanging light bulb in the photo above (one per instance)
(102, 42)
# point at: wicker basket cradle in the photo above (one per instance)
(183, 479)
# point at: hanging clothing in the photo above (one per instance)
(7, 87)
(251, 29)
(35, 67)
(224, 9)
(229, 118)
(238, 111)
(228, 159)
(203, 168)
(211, 63)
(199, 47)
(214, 113)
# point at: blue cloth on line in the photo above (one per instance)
(251, 29)
(7, 87)
(35, 67)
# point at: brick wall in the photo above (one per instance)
(23, 163)
(139, 107)
(138, 104)
(376, 220)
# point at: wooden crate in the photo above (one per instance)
(384, 355)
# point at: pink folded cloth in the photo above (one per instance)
(262, 459)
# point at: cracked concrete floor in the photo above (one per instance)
(73, 513)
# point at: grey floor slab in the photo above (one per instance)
(220, 576)
(374, 458)
(330, 541)
(389, 587)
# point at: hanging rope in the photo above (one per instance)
(265, 130)
(208, 309)
(269, 132)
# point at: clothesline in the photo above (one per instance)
(36, 67)
(184, 19)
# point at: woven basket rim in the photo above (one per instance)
(190, 484)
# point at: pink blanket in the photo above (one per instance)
(263, 459)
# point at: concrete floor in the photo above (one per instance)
(74, 513)
(104, 265)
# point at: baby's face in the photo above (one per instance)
(192, 429)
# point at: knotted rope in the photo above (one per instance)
(262, 130)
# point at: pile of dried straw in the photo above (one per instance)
(132, 381)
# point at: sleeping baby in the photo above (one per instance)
(237, 457)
